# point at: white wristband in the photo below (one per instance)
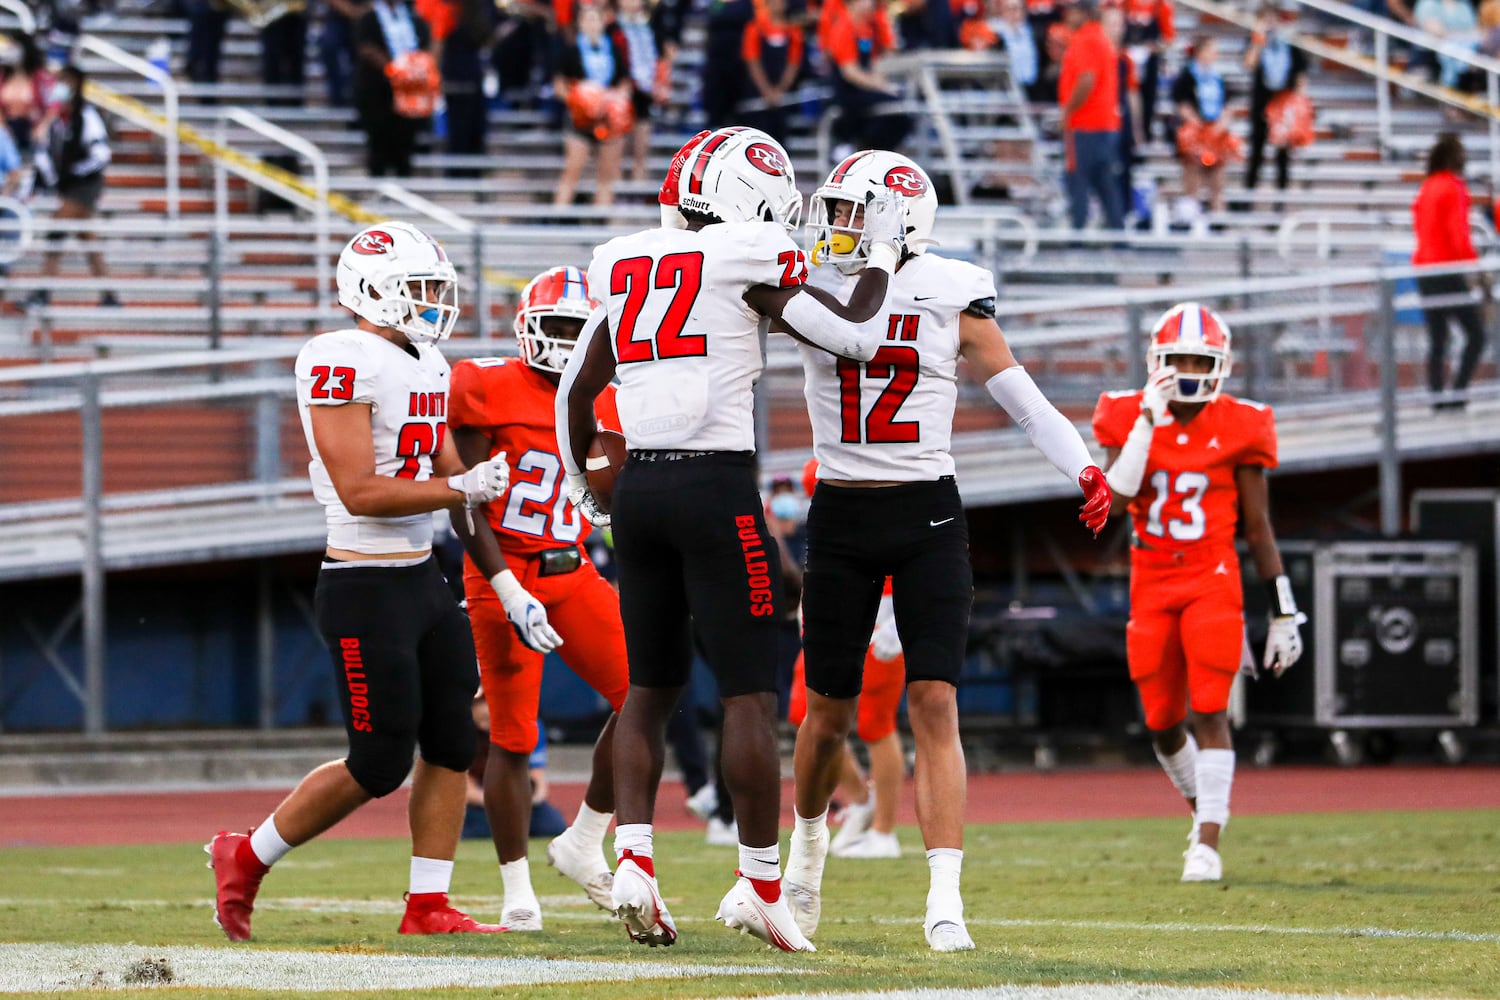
(506, 586)
(1124, 477)
(883, 257)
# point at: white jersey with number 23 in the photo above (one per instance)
(891, 418)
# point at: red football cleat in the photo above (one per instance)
(430, 913)
(237, 875)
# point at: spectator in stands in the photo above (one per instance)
(1113, 20)
(1002, 25)
(206, 19)
(1440, 219)
(1276, 69)
(1042, 16)
(283, 54)
(1088, 90)
(1489, 28)
(650, 79)
(524, 50)
(772, 49)
(724, 76)
(1203, 142)
(24, 85)
(336, 47)
(1453, 21)
(593, 76)
(387, 33)
(70, 158)
(927, 24)
(1150, 30)
(462, 31)
(857, 39)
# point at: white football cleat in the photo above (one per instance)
(743, 909)
(948, 935)
(704, 802)
(584, 865)
(523, 916)
(1202, 864)
(802, 884)
(873, 844)
(723, 833)
(857, 818)
(637, 901)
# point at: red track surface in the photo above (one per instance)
(147, 817)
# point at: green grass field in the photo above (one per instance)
(1383, 903)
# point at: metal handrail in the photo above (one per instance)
(23, 14)
(168, 132)
(314, 156)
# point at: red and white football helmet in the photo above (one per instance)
(376, 274)
(671, 185)
(741, 174)
(561, 291)
(1189, 328)
(863, 173)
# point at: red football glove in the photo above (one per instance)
(1095, 510)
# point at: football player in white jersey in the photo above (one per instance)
(684, 314)
(373, 399)
(887, 505)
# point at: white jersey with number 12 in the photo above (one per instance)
(891, 418)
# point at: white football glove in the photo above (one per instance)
(885, 221)
(582, 499)
(483, 483)
(527, 614)
(1283, 643)
(1154, 398)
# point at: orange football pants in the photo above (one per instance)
(584, 609)
(1186, 633)
(879, 696)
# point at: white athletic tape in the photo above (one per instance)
(596, 462)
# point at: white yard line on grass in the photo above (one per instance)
(1083, 991)
(72, 968)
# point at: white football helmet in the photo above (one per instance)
(741, 174)
(396, 276)
(1191, 329)
(561, 291)
(858, 176)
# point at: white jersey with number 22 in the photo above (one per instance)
(688, 349)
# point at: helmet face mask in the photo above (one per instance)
(1186, 331)
(549, 316)
(397, 277)
(860, 175)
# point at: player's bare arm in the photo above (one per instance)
(473, 447)
(590, 369)
(983, 346)
(347, 448)
(1255, 520)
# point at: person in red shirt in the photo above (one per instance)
(1440, 218)
(772, 50)
(1188, 462)
(1088, 90)
(532, 589)
(855, 41)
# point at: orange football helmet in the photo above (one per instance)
(1188, 328)
(562, 292)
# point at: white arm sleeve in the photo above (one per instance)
(818, 325)
(1051, 433)
(1124, 477)
(564, 386)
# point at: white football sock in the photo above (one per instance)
(635, 838)
(1182, 767)
(1215, 778)
(266, 842)
(430, 875)
(516, 877)
(763, 863)
(590, 825)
